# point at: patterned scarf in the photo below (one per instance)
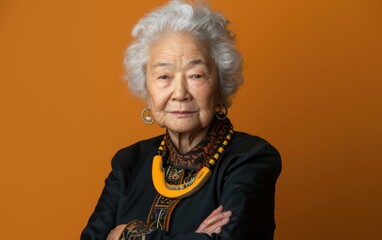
(199, 155)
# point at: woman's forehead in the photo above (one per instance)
(175, 48)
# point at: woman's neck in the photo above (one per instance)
(184, 142)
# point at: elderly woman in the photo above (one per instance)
(175, 186)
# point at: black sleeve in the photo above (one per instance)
(102, 221)
(248, 190)
(138, 230)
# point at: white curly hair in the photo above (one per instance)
(193, 18)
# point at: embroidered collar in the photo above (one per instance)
(199, 155)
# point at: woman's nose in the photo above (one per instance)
(180, 92)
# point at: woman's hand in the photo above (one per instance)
(215, 221)
(116, 233)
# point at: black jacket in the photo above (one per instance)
(243, 181)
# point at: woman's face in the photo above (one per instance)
(182, 84)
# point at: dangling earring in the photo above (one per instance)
(221, 112)
(146, 116)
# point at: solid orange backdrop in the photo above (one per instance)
(312, 88)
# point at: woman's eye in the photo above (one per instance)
(163, 77)
(196, 76)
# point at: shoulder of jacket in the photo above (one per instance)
(249, 141)
(252, 148)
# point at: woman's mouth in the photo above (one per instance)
(182, 113)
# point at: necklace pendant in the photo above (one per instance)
(174, 175)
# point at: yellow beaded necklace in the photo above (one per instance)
(194, 184)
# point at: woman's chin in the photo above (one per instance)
(186, 124)
(183, 125)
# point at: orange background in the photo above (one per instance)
(312, 88)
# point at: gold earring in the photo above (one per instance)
(147, 117)
(221, 112)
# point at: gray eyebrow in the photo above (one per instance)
(197, 61)
(162, 64)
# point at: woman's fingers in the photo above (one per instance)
(217, 218)
(215, 221)
(217, 210)
(116, 233)
(217, 226)
(204, 224)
